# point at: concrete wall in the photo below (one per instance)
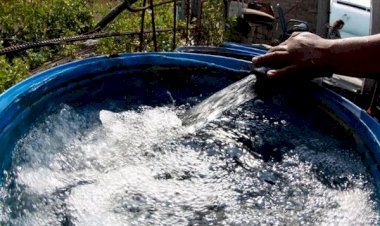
(297, 9)
(305, 10)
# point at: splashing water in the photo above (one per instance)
(228, 98)
(143, 167)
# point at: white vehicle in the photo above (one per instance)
(356, 15)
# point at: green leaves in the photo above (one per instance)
(23, 21)
(11, 73)
(212, 22)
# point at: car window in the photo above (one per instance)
(354, 14)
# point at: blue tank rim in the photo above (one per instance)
(248, 52)
(244, 47)
(223, 62)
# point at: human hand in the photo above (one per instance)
(303, 54)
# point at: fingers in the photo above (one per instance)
(281, 47)
(296, 72)
(272, 58)
(286, 71)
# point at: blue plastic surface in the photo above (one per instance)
(240, 53)
(244, 47)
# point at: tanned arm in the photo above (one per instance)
(308, 55)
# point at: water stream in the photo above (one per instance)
(254, 164)
(230, 97)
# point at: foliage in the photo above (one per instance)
(23, 21)
(128, 21)
(212, 22)
(11, 73)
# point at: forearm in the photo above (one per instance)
(309, 54)
(357, 56)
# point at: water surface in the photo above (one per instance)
(257, 163)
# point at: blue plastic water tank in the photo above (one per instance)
(100, 77)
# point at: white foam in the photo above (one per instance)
(132, 168)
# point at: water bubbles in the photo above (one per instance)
(234, 152)
(142, 167)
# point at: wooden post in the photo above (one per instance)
(188, 18)
(199, 23)
(174, 24)
(153, 26)
(375, 17)
(323, 17)
(141, 48)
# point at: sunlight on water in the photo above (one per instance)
(142, 167)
